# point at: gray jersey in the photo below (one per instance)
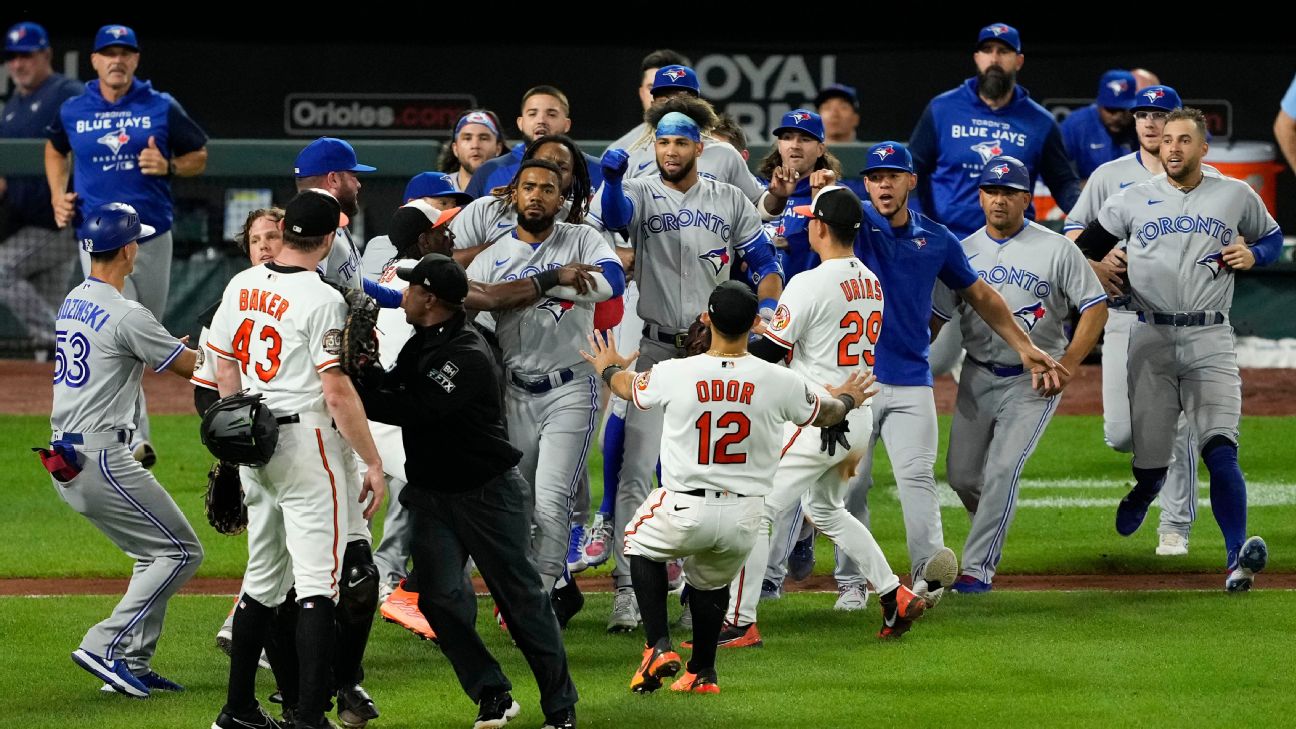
(488, 219)
(104, 341)
(377, 253)
(719, 161)
(1109, 179)
(342, 266)
(1176, 238)
(685, 243)
(1041, 276)
(547, 335)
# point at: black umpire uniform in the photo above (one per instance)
(465, 494)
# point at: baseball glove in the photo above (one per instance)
(224, 500)
(698, 339)
(359, 338)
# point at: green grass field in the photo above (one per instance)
(1086, 658)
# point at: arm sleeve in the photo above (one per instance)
(1079, 280)
(1096, 241)
(944, 301)
(469, 226)
(924, 146)
(219, 335)
(183, 133)
(647, 392)
(1261, 230)
(204, 374)
(1058, 171)
(324, 333)
(753, 244)
(387, 298)
(616, 209)
(956, 272)
(57, 135)
(1086, 207)
(800, 403)
(141, 335)
(795, 312)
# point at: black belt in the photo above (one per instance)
(536, 387)
(655, 332)
(998, 370)
(703, 493)
(1182, 318)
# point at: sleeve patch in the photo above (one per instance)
(781, 318)
(333, 341)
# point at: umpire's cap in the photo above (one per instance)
(240, 429)
(440, 274)
(111, 226)
(1005, 171)
(732, 307)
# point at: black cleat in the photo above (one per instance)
(355, 707)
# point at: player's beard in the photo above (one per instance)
(683, 172)
(995, 83)
(534, 226)
(349, 201)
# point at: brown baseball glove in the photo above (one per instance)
(224, 500)
(698, 339)
(359, 337)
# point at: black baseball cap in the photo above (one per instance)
(732, 307)
(439, 274)
(835, 205)
(313, 212)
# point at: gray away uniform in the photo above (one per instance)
(1178, 497)
(998, 417)
(104, 343)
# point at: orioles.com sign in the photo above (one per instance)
(374, 115)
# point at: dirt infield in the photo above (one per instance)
(27, 391)
(1210, 581)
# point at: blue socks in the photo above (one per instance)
(1227, 493)
(613, 456)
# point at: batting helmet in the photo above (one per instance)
(240, 429)
(111, 226)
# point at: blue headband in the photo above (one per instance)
(676, 124)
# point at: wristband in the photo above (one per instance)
(546, 279)
(770, 305)
(171, 168)
(609, 372)
(848, 401)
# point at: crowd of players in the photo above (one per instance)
(670, 223)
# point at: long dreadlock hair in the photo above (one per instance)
(581, 189)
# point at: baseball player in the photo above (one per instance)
(1182, 228)
(685, 231)
(826, 324)
(552, 401)
(1178, 497)
(104, 343)
(1104, 130)
(798, 151)
(476, 141)
(436, 190)
(909, 252)
(278, 333)
(1000, 414)
(649, 91)
(724, 417)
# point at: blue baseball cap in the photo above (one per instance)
(1005, 171)
(676, 124)
(1162, 98)
(1116, 90)
(801, 120)
(434, 184)
(325, 155)
(111, 226)
(888, 156)
(837, 91)
(676, 78)
(477, 117)
(1005, 34)
(26, 38)
(115, 35)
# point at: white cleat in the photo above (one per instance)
(1172, 545)
(851, 598)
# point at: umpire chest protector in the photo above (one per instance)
(240, 429)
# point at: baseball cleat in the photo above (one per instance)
(567, 601)
(771, 590)
(575, 555)
(598, 543)
(1251, 559)
(733, 636)
(897, 620)
(144, 453)
(625, 612)
(941, 569)
(496, 710)
(355, 707)
(255, 719)
(802, 560)
(697, 683)
(401, 608)
(225, 638)
(561, 719)
(1132, 510)
(969, 585)
(657, 663)
(929, 596)
(113, 673)
(155, 682)
(1172, 545)
(851, 598)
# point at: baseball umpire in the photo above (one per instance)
(443, 391)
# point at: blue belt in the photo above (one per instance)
(537, 387)
(1181, 318)
(998, 370)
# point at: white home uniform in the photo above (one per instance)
(724, 421)
(552, 395)
(685, 244)
(999, 418)
(104, 341)
(827, 317)
(283, 326)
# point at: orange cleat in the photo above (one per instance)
(734, 636)
(697, 683)
(401, 608)
(658, 663)
(909, 607)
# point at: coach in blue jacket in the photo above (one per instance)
(988, 115)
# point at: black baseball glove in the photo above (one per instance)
(833, 435)
(359, 337)
(224, 500)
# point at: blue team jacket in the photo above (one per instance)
(1089, 143)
